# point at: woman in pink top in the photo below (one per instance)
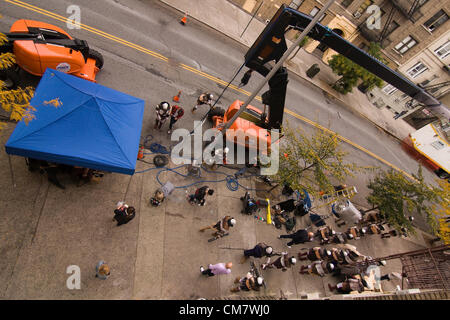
(220, 268)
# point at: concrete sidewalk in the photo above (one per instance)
(155, 256)
(231, 20)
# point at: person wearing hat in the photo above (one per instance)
(337, 256)
(258, 251)
(339, 237)
(158, 198)
(314, 254)
(175, 114)
(102, 270)
(319, 268)
(248, 283)
(124, 213)
(222, 226)
(163, 110)
(347, 286)
(349, 257)
(300, 236)
(199, 197)
(216, 269)
(374, 229)
(354, 234)
(392, 233)
(374, 217)
(325, 234)
(204, 98)
(284, 262)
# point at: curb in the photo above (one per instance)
(346, 104)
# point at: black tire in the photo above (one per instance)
(160, 161)
(442, 174)
(10, 77)
(97, 56)
(217, 111)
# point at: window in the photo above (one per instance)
(435, 21)
(346, 3)
(389, 89)
(416, 70)
(438, 145)
(315, 11)
(362, 8)
(295, 4)
(406, 44)
(443, 51)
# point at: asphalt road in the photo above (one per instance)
(142, 73)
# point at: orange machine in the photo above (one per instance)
(38, 46)
(246, 129)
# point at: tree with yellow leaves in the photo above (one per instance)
(313, 162)
(15, 101)
(442, 212)
(397, 197)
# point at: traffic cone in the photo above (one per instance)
(141, 152)
(183, 20)
(177, 97)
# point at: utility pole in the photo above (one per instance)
(278, 64)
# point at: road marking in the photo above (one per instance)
(193, 70)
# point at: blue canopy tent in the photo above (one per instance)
(95, 127)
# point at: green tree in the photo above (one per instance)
(313, 162)
(16, 101)
(395, 196)
(442, 212)
(351, 72)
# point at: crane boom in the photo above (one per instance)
(271, 44)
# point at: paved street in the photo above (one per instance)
(157, 255)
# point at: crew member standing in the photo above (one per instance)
(245, 78)
(162, 114)
(204, 98)
(300, 236)
(176, 113)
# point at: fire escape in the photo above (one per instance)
(408, 8)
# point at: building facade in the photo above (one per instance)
(414, 36)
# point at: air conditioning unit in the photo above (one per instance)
(357, 14)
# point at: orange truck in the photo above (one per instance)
(39, 45)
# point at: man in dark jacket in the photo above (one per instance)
(124, 214)
(300, 236)
(199, 196)
(258, 251)
(245, 78)
(284, 262)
